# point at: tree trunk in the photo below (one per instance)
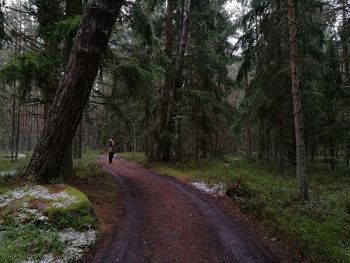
(13, 132)
(178, 81)
(179, 139)
(18, 128)
(68, 168)
(281, 145)
(261, 140)
(74, 90)
(297, 104)
(134, 137)
(197, 136)
(80, 140)
(173, 80)
(281, 91)
(29, 134)
(187, 13)
(165, 91)
(268, 141)
(248, 137)
(346, 66)
(332, 152)
(344, 39)
(347, 154)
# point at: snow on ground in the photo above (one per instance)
(212, 189)
(38, 192)
(49, 258)
(8, 174)
(19, 155)
(74, 242)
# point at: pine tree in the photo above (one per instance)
(74, 90)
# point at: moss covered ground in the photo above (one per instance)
(43, 223)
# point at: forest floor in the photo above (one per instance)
(168, 220)
(42, 223)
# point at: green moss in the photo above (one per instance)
(79, 215)
(4, 189)
(34, 238)
(7, 214)
(21, 242)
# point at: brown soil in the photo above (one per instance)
(37, 204)
(164, 220)
(55, 188)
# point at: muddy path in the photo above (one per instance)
(166, 220)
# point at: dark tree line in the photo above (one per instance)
(171, 82)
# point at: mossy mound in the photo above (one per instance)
(44, 222)
(78, 215)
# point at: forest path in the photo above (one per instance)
(166, 220)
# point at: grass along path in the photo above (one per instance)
(319, 229)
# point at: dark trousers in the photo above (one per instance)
(110, 157)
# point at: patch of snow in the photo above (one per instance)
(58, 205)
(49, 258)
(19, 155)
(25, 213)
(74, 245)
(8, 174)
(76, 242)
(212, 189)
(39, 192)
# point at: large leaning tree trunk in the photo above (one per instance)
(297, 104)
(74, 90)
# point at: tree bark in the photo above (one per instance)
(165, 91)
(80, 140)
(248, 137)
(74, 90)
(346, 66)
(332, 152)
(18, 128)
(197, 136)
(297, 103)
(173, 81)
(281, 144)
(13, 127)
(261, 139)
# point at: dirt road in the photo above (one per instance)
(166, 220)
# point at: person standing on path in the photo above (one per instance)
(111, 149)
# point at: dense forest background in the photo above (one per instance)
(184, 80)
